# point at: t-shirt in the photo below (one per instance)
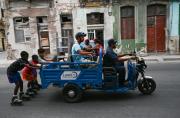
(28, 70)
(75, 53)
(115, 62)
(41, 60)
(17, 65)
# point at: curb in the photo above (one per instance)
(171, 59)
(154, 60)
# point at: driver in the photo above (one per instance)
(117, 61)
(77, 50)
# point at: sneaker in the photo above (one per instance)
(24, 97)
(30, 92)
(16, 101)
(35, 91)
(125, 82)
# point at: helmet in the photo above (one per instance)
(80, 34)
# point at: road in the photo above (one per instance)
(163, 103)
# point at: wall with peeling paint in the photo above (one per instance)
(32, 12)
(79, 17)
(140, 7)
(174, 29)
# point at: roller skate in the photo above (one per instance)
(35, 91)
(30, 92)
(16, 102)
(24, 97)
(37, 87)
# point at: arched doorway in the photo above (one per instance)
(156, 23)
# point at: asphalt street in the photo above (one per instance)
(163, 103)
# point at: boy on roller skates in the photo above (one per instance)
(14, 77)
(30, 75)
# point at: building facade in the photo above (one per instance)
(146, 25)
(30, 25)
(2, 27)
(91, 17)
(141, 25)
(52, 24)
(174, 26)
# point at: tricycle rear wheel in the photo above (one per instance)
(147, 86)
(72, 93)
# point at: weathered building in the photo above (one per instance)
(146, 25)
(92, 17)
(30, 25)
(52, 24)
(174, 26)
(141, 24)
(2, 27)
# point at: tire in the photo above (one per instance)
(147, 86)
(72, 93)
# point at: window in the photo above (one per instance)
(66, 32)
(156, 9)
(19, 36)
(95, 18)
(22, 30)
(42, 19)
(44, 39)
(42, 23)
(127, 22)
(95, 27)
(66, 18)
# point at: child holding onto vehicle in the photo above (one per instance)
(42, 56)
(14, 77)
(30, 75)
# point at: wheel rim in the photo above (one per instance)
(71, 93)
(147, 86)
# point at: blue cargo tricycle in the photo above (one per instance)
(76, 77)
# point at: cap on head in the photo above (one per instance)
(80, 34)
(111, 41)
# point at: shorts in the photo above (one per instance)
(14, 78)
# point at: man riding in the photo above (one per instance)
(117, 61)
(77, 50)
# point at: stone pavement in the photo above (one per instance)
(149, 58)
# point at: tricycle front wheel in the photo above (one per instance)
(72, 93)
(147, 86)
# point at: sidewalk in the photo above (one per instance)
(149, 58)
(162, 58)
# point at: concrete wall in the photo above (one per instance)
(80, 21)
(128, 46)
(174, 27)
(140, 42)
(79, 17)
(32, 13)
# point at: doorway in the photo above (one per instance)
(156, 23)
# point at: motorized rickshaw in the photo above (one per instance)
(76, 77)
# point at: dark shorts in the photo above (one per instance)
(14, 78)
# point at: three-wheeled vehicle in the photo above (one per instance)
(76, 77)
